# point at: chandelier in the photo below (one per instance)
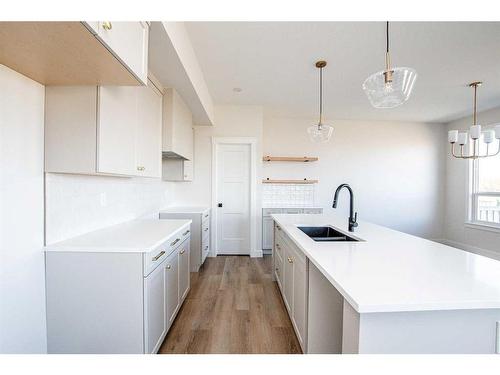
(476, 135)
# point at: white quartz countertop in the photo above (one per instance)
(184, 210)
(393, 271)
(132, 236)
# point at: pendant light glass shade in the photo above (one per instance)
(320, 133)
(391, 87)
(390, 94)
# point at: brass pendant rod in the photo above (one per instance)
(320, 96)
(475, 104)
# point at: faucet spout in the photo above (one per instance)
(353, 217)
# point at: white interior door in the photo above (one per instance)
(233, 198)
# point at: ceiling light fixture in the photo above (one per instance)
(391, 87)
(320, 133)
(475, 133)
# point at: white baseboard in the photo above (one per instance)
(256, 254)
(472, 249)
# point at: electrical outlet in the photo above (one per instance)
(104, 200)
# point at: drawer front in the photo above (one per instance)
(205, 228)
(205, 248)
(293, 210)
(278, 247)
(270, 211)
(278, 270)
(153, 258)
(313, 210)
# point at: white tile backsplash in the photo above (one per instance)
(287, 195)
(77, 204)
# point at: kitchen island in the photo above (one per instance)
(388, 292)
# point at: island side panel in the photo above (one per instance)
(325, 315)
(94, 302)
(429, 332)
(350, 329)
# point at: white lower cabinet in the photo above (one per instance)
(115, 302)
(184, 274)
(171, 268)
(291, 271)
(155, 304)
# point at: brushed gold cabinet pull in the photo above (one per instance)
(290, 260)
(186, 232)
(173, 243)
(182, 252)
(106, 25)
(141, 168)
(160, 254)
(168, 266)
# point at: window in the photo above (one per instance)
(485, 196)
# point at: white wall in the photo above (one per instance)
(77, 204)
(455, 231)
(396, 169)
(230, 121)
(22, 266)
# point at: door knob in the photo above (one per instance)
(219, 205)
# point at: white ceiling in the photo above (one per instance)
(273, 63)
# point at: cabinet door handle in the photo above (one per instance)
(290, 260)
(186, 232)
(160, 254)
(206, 215)
(206, 247)
(206, 229)
(168, 266)
(106, 25)
(173, 243)
(182, 252)
(278, 246)
(278, 227)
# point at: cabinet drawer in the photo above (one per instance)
(205, 248)
(313, 210)
(205, 228)
(205, 215)
(153, 258)
(269, 211)
(278, 247)
(278, 270)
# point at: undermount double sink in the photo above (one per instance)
(326, 234)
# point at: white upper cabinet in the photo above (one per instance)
(117, 122)
(177, 125)
(128, 41)
(112, 130)
(148, 139)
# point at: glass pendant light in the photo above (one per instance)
(391, 87)
(320, 133)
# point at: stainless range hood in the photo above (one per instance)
(172, 155)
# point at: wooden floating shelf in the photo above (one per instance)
(302, 159)
(268, 181)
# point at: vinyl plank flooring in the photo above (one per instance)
(233, 307)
